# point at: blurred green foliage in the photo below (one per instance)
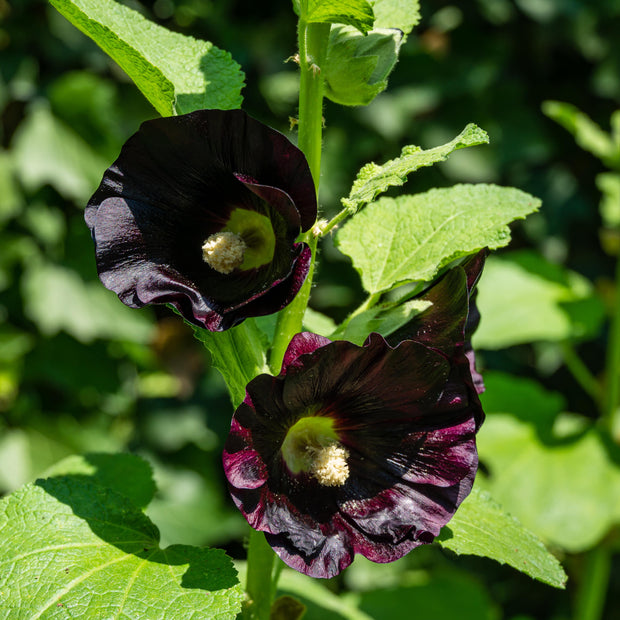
(79, 372)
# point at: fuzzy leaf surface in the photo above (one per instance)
(401, 14)
(357, 13)
(72, 548)
(176, 73)
(410, 238)
(373, 179)
(480, 527)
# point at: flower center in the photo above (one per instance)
(311, 445)
(224, 251)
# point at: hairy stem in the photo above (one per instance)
(312, 46)
(259, 587)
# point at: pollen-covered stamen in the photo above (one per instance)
(224, 251)
(312, 445)
(329, 464)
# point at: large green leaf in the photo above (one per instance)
(127, 474)
(480, 527)
(176, 73)
(524, 298)
(373, 179)
(566, 490)
(46, 151)
(57, 299)
(397, 240)
(401, 14)
(72, 548)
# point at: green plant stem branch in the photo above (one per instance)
(259, 587)
(333, 223)
(261, 576)
(611, 411)
(313, 40)
(592, 590)
(581, 372)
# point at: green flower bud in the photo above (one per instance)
(357, 66)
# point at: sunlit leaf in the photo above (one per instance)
(397, 240)
(72, 548)
(481, 527)
(401, 14)
(46, 151)
(57, 299)
(357, 65)
(373, 179)
(174, 72)
(524, 298)
(566, 490)
(127, 474)
(356, 13)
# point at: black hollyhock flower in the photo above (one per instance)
(355, 449)
(202, 211)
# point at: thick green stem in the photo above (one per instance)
(259, 587)
(611, 412)
(290, 320)
(590, 601)
(262, 579)
(313, 40)
(312, 46)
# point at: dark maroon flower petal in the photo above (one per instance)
(180, 180)
(397, 425)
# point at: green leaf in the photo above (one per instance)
(480, 527)
(176, 73)
(72, 548)
(588, 134)
(357, 66)
(46, 151)
(373, 179)
(524, 298)
(401, 14)
(564, 489)
(410, 238)
(357, 13)
(57, 299)
(127, 474)
(238, 353)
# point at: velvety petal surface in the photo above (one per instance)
(405, 415)
(178, 181)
